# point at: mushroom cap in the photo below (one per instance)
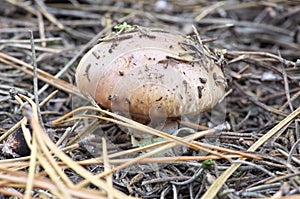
(153, 73)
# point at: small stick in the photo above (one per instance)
(109, 179)
(41, 27)
(286, 85)
(43, 9)
(35, 81)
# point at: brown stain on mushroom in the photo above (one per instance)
(87, 69)
(95, 53)
(202, 80)
(199, 88)
(121, 72)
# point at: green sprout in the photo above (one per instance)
(123, 26)
(206, 164)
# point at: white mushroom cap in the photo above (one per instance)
(151, 74)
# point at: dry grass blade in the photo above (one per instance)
(163, 146)
(139, 127)
(19, 179)
(106, 165)
(287, 197)
(219, 182)
(257, 43)
(43, 155)
(32, 144)
(263, 54)
(42, 75)
(144, 129)
(46, 144)
(21, 5)
(17, 125)
(157, 159)
(42, 7)
(208, 10)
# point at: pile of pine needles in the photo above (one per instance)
(247, 147)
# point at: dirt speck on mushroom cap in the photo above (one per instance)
(158, 73)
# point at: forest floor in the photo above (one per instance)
(258, 157)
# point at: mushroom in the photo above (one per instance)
(151, 73)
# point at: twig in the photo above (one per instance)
(41, 28)
(38, 48)
(208, 10)
(44, 76)
(258, 103)
(293, 149)
(26, 7)
(44, 156)
(263, 54)
(17, 125)
(107, 168)
(46, 144)
(32, 144)
(151, 153)
(196, 175)
(286, 87)
(26, 41)
(35, 81)
(216, 186)
(43, 9)
(165, 179)
(254, 165)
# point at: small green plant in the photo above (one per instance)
(206, 164)
(123, 26)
